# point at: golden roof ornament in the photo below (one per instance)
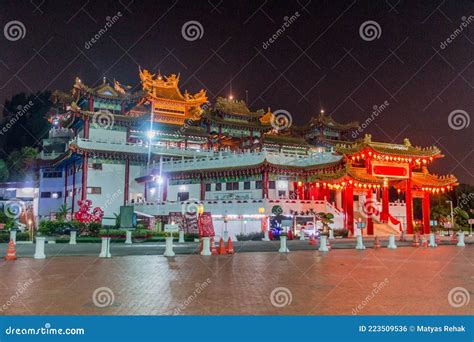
(267, 117)
(368, 138)
(406, 142)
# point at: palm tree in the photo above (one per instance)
(326, 220)
(62, 212)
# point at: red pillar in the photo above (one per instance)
(202, 195)
(127, 181)
(86, 128)
(350, 209)
(65, 185)
(84, 176)
(73, 187)
(409, 206)
(426, 212)
(385, 211)
(370, 221)
(265, 184)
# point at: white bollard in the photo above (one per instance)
(39, 248)
(72, 237)
(181, 236)
(226, 235)
(391, 242)
(206, 246)
(331, 234)
(360, 242)
(13, 236)
(283, 248)
(169, 247)
(128, 237)
(461, 239)
(105, 248)
(301, 235)
(323, 247)
(432, 242)
(266, 237)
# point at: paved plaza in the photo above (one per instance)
(405, 281)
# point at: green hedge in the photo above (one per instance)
(5, 237)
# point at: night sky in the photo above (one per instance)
(320, 61)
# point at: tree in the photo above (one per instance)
(62, 212)
(22, 162)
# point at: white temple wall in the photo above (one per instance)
(104, 134)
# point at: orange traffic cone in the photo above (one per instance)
(376, 242)
(221, 249)
(230, 248)
(11, 253)
(213, 247)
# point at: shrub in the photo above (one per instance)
(48, 228)
(341, 232)
(250, 237)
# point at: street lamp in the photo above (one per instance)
(452, 214)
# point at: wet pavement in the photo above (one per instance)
(405, 281)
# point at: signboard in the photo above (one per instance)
(286, 223)
(471, 221)
(433, 223)
(387, 170)
(171, 228)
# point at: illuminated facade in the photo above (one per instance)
(164, 152)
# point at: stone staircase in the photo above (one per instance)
(384, 229)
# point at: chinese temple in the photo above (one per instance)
(164, 152)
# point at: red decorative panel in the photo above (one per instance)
(390, 171)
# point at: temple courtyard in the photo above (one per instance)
(344, 281)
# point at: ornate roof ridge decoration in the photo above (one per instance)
(325, 120)
(230, 106)
(105, 90)
(166, 87)
(388, 148)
